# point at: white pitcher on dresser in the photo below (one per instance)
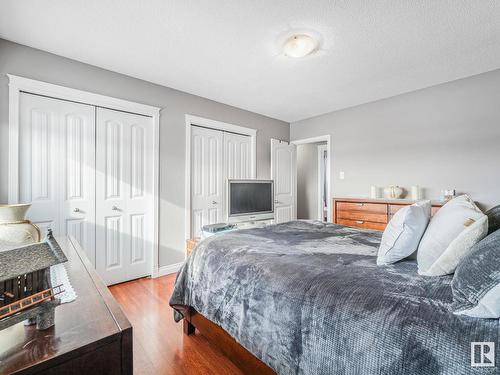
(14, 228)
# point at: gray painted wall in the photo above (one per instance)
(446, 136)
(31, 63)
(307, 181)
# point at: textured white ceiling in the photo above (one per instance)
(229, 50)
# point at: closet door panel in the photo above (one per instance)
(207, 178)
(111, 244)
(124, 200)
(77, 209)
(38, 170)
(140, 197)
(56, 166)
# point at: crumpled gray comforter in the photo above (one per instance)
(308, 298)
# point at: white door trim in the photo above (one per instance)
(19, 84)
(322, 138)
(217, 125)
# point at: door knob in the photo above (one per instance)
(114, 208)
(76, 209)
(214, 202)
(276, 201)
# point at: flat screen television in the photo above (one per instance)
(250, 200)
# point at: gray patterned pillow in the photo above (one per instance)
(476, 284)
(493, 219)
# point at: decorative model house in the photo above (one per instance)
(26, 292)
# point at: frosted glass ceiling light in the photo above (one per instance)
(300, 45)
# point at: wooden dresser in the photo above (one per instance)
(91, 334)
(369, 213)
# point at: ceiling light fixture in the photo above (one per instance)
(300, 45)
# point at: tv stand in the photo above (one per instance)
(193, 242)
(253, 224)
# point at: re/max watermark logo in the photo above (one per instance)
(482, 354)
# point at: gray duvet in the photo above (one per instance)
(308, 298)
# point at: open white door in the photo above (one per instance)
(284, 174)
(323, 183)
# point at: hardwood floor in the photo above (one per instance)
(160, 347)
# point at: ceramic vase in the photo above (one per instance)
(14, 228)
(393, 192)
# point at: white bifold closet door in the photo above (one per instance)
(56, 166)
(88, 173)
(216, 156)
(124, 175)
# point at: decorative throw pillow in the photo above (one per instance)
(493, 219)
(459, 217)
(403, 233)
(476, 283)
(458, 248)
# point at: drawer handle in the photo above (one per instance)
(360, 204)
(360, 222)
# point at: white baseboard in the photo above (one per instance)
(171, 268)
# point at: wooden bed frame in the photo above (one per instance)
(241, 357)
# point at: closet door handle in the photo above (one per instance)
(115, 208)
(76, 209)
(214, 202)
(359, 222)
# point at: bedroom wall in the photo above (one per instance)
(307, 181)
(446, 136)
(31, 63)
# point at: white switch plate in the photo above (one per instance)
(341, 175)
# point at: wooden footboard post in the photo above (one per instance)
(187, 326)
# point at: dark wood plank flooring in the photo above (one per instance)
(160, 347)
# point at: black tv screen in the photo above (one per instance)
(250, 197)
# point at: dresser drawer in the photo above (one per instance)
(363, 216)
(370, 213)
(393, 208)
(363, 207)
(362, 224)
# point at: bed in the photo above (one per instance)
(308, 298)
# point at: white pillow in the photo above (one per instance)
(454, 229)
(403, 233)
(458, 249)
